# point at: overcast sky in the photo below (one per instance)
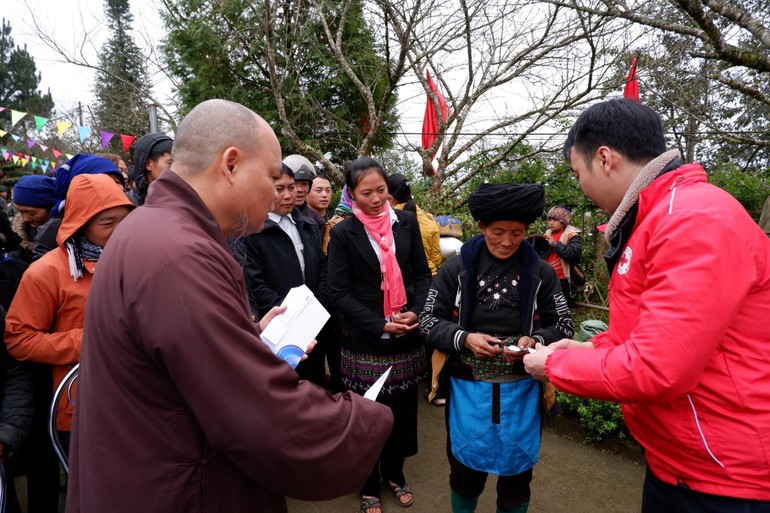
(77, 25)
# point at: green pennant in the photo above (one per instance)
(40, 123)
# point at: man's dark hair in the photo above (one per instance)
(287, 171)
(160, 149)
(630, 128)
(360, 167)
(324, 176)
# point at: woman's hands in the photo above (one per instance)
(513, 356)
(484, 347)
(402, 322)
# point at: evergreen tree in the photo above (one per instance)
(122, 80)
(19, 80)
(220, 49)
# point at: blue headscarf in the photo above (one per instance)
(35, 191)
(80, 164)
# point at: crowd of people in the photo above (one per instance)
(180, 406)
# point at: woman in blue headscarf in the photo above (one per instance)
(33, 198)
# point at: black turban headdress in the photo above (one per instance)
(507, 202)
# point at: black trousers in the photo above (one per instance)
(660, 497)
(401, 443)
(512, 491)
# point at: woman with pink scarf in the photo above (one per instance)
(378, 282)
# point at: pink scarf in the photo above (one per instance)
(379, 228)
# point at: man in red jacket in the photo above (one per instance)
(687, 353)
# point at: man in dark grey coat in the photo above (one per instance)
(286, 254)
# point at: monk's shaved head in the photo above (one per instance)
(210, 128)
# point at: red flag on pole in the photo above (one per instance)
(430, 122)
(631, 91)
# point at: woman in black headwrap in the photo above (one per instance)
(486, 307)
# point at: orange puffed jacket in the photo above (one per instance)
(45, 319)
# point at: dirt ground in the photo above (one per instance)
(571, 477)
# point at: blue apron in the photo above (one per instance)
(495, 427)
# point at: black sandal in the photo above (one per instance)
(400, 491)
(368, 503)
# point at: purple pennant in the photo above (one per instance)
(106, 137)
(30, 144)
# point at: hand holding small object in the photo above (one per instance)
(483, 346)
(534, 362)
(516, 353)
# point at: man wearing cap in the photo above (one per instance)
(687, 353)
(486, 307)
(80, 164)
(304, 174)
(152, 156)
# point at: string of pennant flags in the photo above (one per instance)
(22, 159)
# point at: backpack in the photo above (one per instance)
(449, 226)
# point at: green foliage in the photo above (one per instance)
(600, 420)
(750, 189)
(220, 49)
(121, 82)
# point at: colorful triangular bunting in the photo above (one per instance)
(106, 137)
(84, 132)
(16, 116)
(62, 126)
(127, 140)
(40, 123)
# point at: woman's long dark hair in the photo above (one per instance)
(399, 188)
